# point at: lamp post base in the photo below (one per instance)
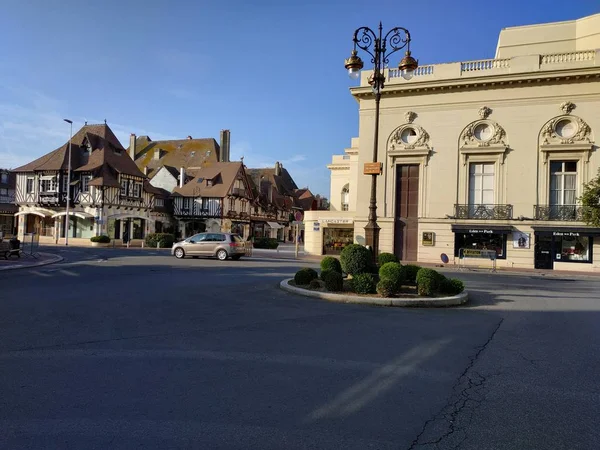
(372, 238)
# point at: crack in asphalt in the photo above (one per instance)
(468, 394)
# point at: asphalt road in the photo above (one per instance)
(126, 349)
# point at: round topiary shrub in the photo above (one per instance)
(364, 283)
(356, 259)
(386, 258)
(324, 273)
(452, 286)
(429, 282)
(102, 239)
(411, 273)
(393, 272)
(331, 263)
(333, 281)
(386, 287)
(314, 284)
(305, 276)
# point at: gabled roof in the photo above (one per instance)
(284, 183)
(222, 173)
(107, 159)
(188, 153)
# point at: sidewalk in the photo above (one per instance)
(27, 261)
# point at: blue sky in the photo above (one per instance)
(270, 71)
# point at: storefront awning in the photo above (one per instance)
(481, 229)
(275, 225)
(80, 214)
(566, 231)
(42, 212)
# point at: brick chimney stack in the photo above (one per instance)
(132, 146)
(225, 146)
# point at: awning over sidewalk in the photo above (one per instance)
(566, 231)
(80, 214)
(42, 212)
(275, 225)
(481, 229)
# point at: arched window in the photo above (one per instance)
(345, 198)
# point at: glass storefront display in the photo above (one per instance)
(573, 248)
(481, 241)
(335, 239)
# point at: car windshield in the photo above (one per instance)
(236, 238)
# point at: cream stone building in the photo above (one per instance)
(480, 158)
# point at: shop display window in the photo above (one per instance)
(335, 239)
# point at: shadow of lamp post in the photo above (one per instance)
(376, 45)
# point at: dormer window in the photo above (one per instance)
(209, 182)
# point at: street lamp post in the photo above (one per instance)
(376, 45)
(70, 122)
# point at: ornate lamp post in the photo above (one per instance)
(376, 45)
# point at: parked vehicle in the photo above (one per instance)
(10, 247)
(221, 245)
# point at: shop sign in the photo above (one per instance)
(568, 233)
(428, 238)
(521, 240)
(481, 231)
(477, 253)
(372, 168)
(338, 220)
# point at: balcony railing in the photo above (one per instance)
(567, 213)
(483, 212)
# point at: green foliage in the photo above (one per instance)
(590, 199)
(305, 276)
(411, 273)
(314, 284)
(429, 282)
(333, 280)
(164, 240)
(364, 283)
(356, 259)
(386, 287)
(268, 243)
(102, 239)
(331, 263)
(394, 272)
(386, 258)
(452, 286)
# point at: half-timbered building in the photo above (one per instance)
(107, 192)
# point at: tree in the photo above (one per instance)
(590, 200)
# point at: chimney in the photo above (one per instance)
(224, 144)
(277, 168)
(146, 170)
(132, 146)
(189, 137)
(181, 177)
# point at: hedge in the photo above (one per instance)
(386, 258)
(386, 287)
(364, 283)
(305, 276)
(333, 280)
(356, 259)
(314, 284)
(393, 272)
(268, 243)
(102, 239)
(331, 263)
(163, 240)
(452, 286)
(411, 273)
(429, 282)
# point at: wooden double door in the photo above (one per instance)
(406, 224)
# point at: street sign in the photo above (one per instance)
(372, 168)
(299, 216)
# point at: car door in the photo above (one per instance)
(216, 241)
(195, 244)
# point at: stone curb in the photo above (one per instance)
(455, 300)
(55, 259)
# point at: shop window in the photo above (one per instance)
(335, 239)
(481, 183)
(573, 249)
(496, 242)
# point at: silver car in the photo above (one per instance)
(221, 245)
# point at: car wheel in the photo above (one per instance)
(236, 257)
(221, 255)
(179, 253)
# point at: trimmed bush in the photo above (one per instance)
(429, 282)
(163, 240)
(102, 239)
(268, 243)
(386, 258)
(411, 273)
(356, 259)
(331, 263)
(305, 276)
(333, 281)
(393, 272)
(364, 283)
(314, 284)
(324, 273)
(386, 287)
(452, 286)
